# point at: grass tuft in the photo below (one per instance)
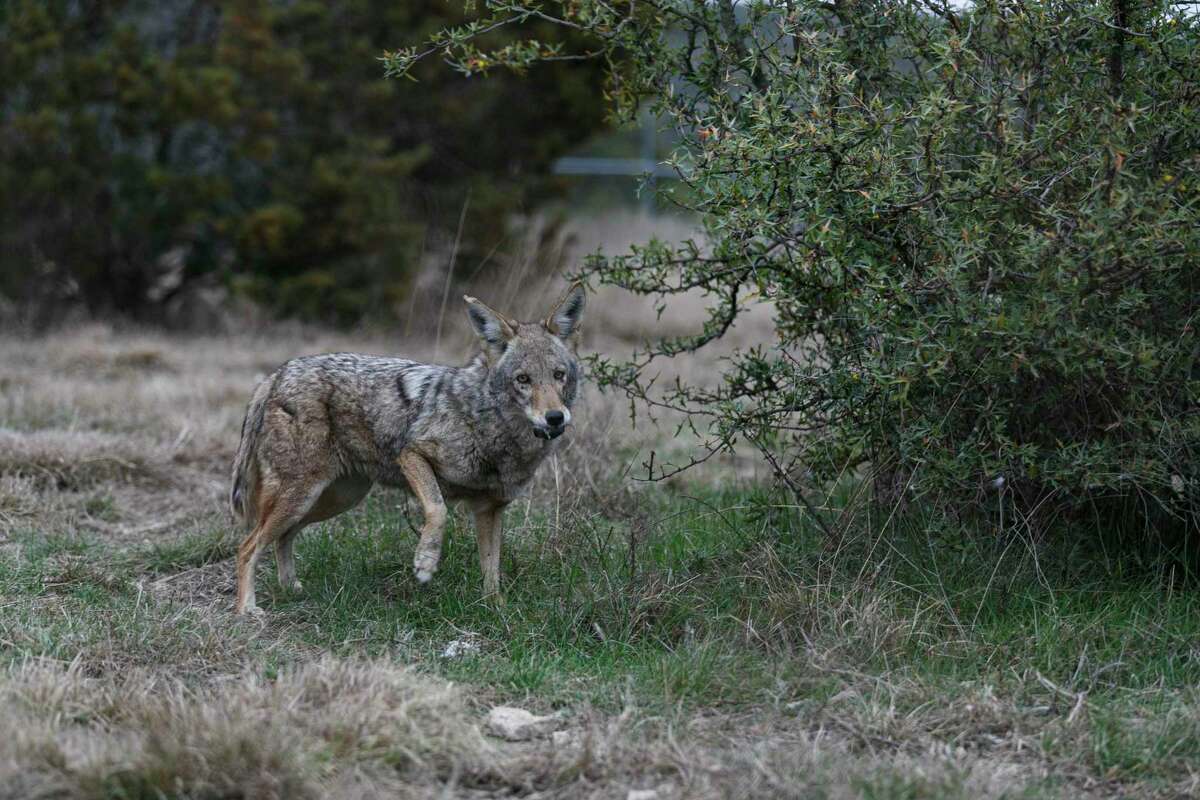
(130, 737)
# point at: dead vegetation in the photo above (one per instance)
(342, 728)
(76, 460)
(298, 735)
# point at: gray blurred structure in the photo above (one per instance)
(645, 165)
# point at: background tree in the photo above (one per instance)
(145, 145)
(977, 226)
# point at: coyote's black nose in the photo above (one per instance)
(554, 418)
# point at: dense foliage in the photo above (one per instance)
(147, 144)
(978, 226)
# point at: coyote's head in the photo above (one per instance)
(532, 365)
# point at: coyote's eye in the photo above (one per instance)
(559, 374)
(522, 378)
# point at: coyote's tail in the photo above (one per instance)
(244, 495)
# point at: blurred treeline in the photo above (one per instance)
(152, 151)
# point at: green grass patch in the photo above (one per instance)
(730, 599)
(183, 552)
(587, 617)
(69, 598)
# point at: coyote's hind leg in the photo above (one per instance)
(280, 510)
(424, 486)
(340, 495)
(285, 561)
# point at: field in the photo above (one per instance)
(696, 639)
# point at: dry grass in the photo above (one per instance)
(139, 735)
(77, 460)
(378, 729)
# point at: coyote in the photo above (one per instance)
(321, 430)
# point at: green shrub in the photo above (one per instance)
(977, 224)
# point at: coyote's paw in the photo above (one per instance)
(250, 610)
(294, 586)
(424, 565)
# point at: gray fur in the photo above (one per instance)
(366, 409)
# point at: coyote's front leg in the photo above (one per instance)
(424, 486)
(489, 531)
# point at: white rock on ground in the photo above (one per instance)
(466, 646)
(517, 724)
(642, 794)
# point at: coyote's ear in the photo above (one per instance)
(564, 319)
(492, 327)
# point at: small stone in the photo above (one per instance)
(466, 646)
(517, 724)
